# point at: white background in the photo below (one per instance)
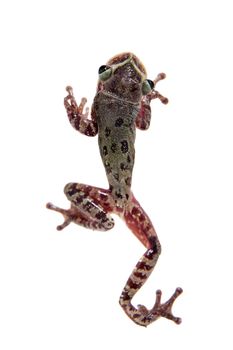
(60, 290)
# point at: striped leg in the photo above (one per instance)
(140, 224)
(89, 207)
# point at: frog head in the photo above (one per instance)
(124, 77)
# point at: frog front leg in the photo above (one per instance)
(144, 115)
(90, 207)
(139, 222)
(77, 118)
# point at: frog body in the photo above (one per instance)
(116, 137)
(121, 104)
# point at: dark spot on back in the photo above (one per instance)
(116, 176)
(123, 166)
(118, 194)
(124, 146)
(113, 147)
(128, 159)
(119, 122)
(107, 132)
(105, 150)
(107, 167)
(128, 181)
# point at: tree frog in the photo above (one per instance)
(121, 104)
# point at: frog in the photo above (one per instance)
(121, 105)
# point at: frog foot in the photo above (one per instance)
(160, 310)
(67, 214)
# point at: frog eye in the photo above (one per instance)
(105, 72)
(147, 86)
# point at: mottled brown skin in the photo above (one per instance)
(121, 104)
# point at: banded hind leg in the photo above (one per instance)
(138, 221)
(90, 207)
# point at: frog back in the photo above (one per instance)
(116, 128)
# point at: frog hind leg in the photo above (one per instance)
(138, 221)
(90, 207)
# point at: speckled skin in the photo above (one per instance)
(116, 143)
(121, 104)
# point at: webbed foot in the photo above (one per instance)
(143, 317)
(67, 214)
(159, 309)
